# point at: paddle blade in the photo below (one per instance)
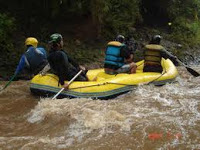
(193, 72)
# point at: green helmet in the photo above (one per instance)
(55, 38)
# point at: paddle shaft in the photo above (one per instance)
(68, 83)
(190, 70)
(8, 83)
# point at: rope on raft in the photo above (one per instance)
(117, 83)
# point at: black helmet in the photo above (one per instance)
(120, 38)
(156, 39)
(55, 38)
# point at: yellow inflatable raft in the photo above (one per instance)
(102, 85)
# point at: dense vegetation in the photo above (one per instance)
(90, 22)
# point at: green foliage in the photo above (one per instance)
(107, 18)
(6, 28)
(114, 17)
(99, 10)
(78, 7)
(186, 32)
(84, 53)
(189, 9)
(185, 22)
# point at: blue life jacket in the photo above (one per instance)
(113, 54)
(36, 57)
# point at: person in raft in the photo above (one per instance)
(131, 44)
(33, 60)
(153, 54)
(118, 57)
(61, 63)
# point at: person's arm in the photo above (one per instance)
(167, 54)
(42, 51)
(132, 45)
(71, 60)
(22, 63)
(125, 53)
(75, 64)
(63, 67)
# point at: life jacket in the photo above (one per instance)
(113, 54)
(152, 54)
(36, 58)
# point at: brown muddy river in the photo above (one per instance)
(148, 118)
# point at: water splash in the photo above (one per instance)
(172, 110)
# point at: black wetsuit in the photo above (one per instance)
(64, 66)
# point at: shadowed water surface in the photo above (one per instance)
(166, 117)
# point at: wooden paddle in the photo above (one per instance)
(68, 83)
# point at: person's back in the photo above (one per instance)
(131, 45)
(33, 60)
(65, 67)
(153, 54)
(118, 57)
(113, 59)
(152, 58)
(36, 58)
(60, 64)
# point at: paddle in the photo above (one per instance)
(8, 83)
(68, 83)
(18, 69)
(190, 70)
(45, 69)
